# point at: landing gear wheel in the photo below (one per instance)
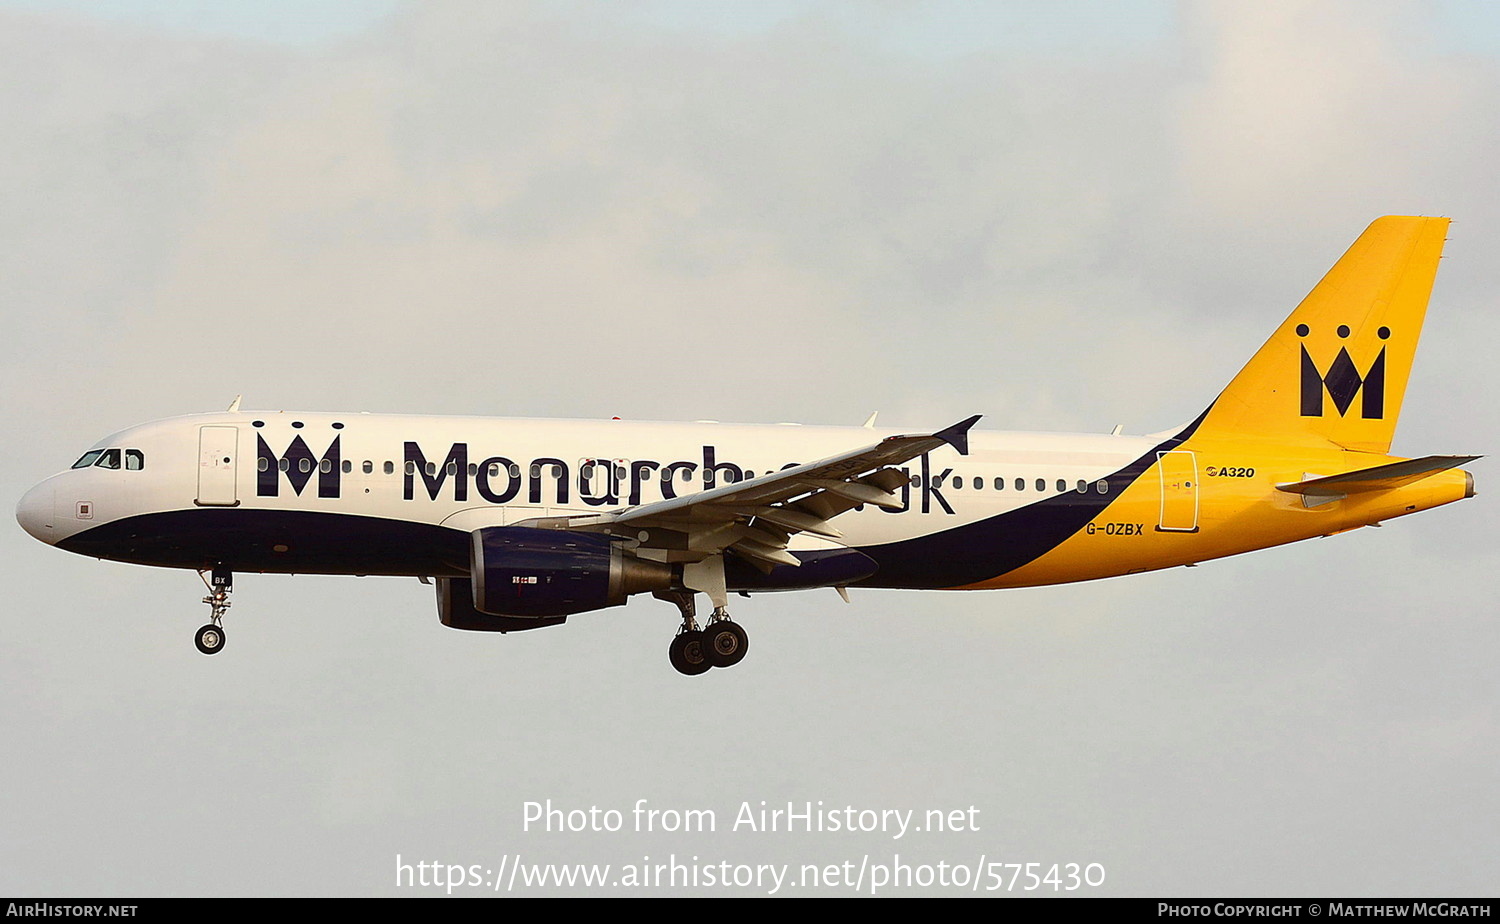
(725, 643)
(688, 653)
(210, 639)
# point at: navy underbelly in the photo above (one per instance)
(287, 541)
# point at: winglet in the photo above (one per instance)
(957, 435)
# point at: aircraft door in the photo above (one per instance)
(1178, 471)
(216, 466)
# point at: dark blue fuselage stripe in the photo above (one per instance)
(279, 541)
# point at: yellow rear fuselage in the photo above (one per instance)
(1215, 497)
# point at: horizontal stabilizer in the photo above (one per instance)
(1379, 478)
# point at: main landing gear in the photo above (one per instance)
(220, 583)
(722, 643)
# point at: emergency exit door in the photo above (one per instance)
(216, 466)
(1178, 471)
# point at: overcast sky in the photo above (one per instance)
(1061, 216)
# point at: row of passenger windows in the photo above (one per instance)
(588, 470)
(133, 459)
(306, 465)
(958, 482)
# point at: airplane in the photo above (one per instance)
(520, 524)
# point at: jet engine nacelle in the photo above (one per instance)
(541, 573)
(455, 598)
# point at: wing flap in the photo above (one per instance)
(791, 519)
(763, 555)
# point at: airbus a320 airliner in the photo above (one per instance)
(523, 523)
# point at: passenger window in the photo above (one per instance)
(978, 482)
(1041, 484)
(325, 466)
(999, 484)
(304, 465)
(110, 459)
(958, 482)
(1020, 484)
(411, 467)
(262, 464)
(1083, 486)
(1101, 486)
(368, 467)
(284, 464)
(88, 458)
(135, 460)
(515, 470)
(390, 468)
(1062, 485)
(348, 466)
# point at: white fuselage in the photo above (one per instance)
(381, 491)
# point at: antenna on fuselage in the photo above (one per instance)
(234, 406)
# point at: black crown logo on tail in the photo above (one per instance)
(1343, 381)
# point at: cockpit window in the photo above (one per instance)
(135, 460)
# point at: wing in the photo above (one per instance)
(755, 519)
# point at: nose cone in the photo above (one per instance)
(34, 512)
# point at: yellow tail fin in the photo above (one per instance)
(1336, 370)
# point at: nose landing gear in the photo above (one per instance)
(220, 583)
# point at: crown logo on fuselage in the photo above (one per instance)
(298, 465)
